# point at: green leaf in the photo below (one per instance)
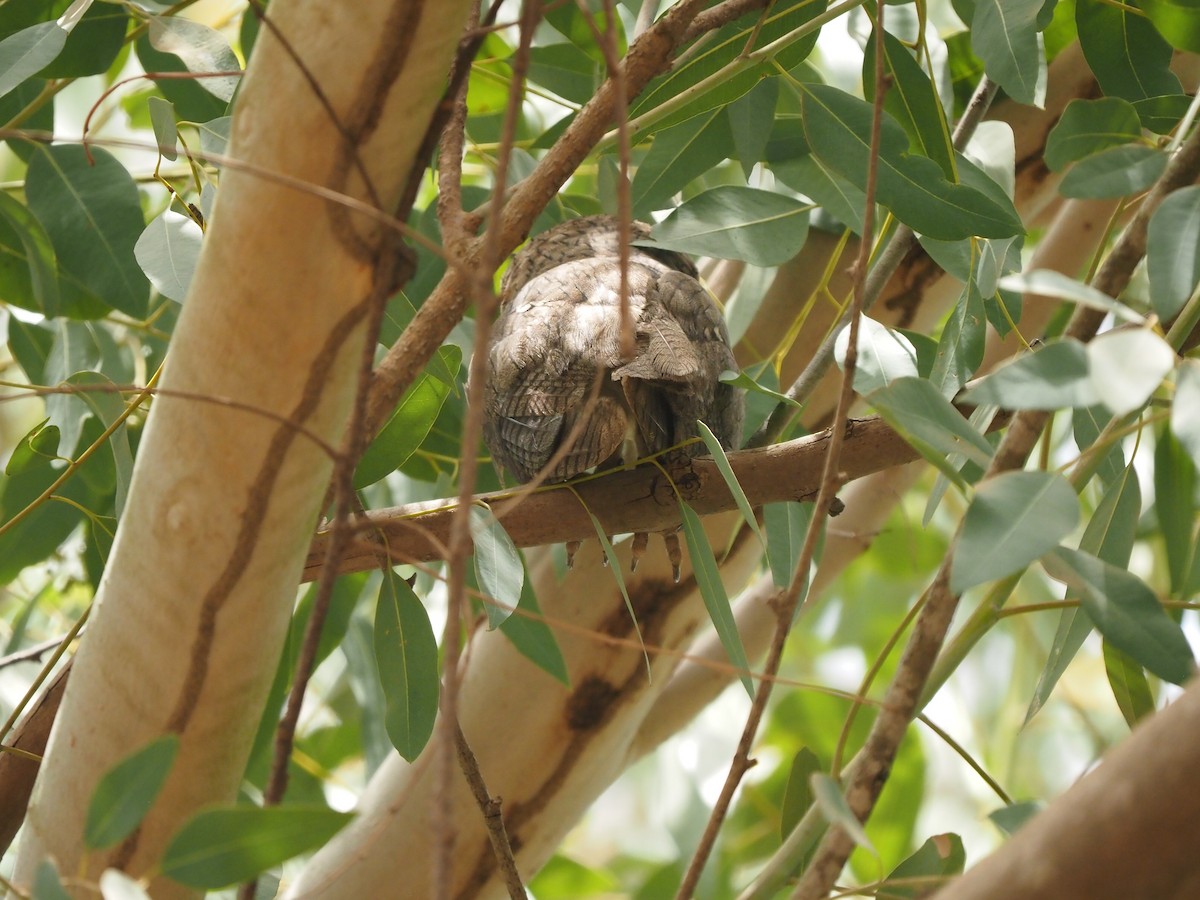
(192, 102)
(126, 792)
(1109, 535)
(746, 383)
(162, 120)
(1127, 365)
(93, 215)
(912, 100)
(960, 350)
(913, 187)
(1173, 251)
(614, 566)
(750, 120)
(798, 795)
(1089, 126)
(1055, 375)
(1048, 283)
(533, 637)
(1013, 519)
(406, 653)
(1115, 172)
(1175, 503)
(785, 524)
(201, 49)
(28, 51)
(498, 565)
(1129, 686)
(922, 415)
(833, 805)
(577, 26)
(760, 227)
(220, 847)
(168, 251)
(1185, 410)
(939, 859)
(1004, 34)
(718, 454)
(46, 883)
(1010, 818)
(884, 355)
(39, 257)
(678, 155)
(410, 424)
(1125, 52)
(784, 20)
(1126, 612)
(566, 70)
(811, 177)
(712, 590)
(1176, 20)
(93, 43)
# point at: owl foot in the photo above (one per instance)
(637, 549)
(674, 553)
(572, 549)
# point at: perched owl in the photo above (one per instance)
(557, 342)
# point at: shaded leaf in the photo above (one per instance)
(798, 795)
(498, 565)
(1113, 173)
(407, 656)
(162, 120)
(1173, 251)
(833, 805)
(533, 637)
(1013, 519)
(884, 355)
(938, 859)
(1126, 612)
(678, 155)
(712, 589)
(126, 792)
(1048, 283)
(785, 524)
(1004, 34)
(1010, 818)
(1127, 365)
(760, 227)
(1129, 686)
(222, 846)
(39, 257)
(1175, 503)
(1089, 126)
(202, 49)
(614, 566)
(1124, 51)
(919, 412)
(718, 454)
(1054, 375)
(1185, 410)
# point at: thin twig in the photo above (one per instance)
(459, 545)
(493, 817)
(786, 602)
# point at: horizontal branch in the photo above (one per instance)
(628, 500)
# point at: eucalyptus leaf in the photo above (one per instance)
(127, 791)
(1004, 33)
(1173, 251)
(883, 355)
(406, 654)
(168, 251)
(1048, 283)
(760, 227)
(498, 565)
(1127, 365)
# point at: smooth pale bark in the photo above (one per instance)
(194, 602)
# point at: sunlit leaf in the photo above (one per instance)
(116, 885)
(1176, 20)
(168, 251)
(1013, 519)
(883, 355)
(162, 120)
(1048, 283)
(202, 49)
(1126, 365)
(223, 846)
(25, 53)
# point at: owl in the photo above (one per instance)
(560, 398)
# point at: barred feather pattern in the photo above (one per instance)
(558, 334)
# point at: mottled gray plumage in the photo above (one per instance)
(559, 330)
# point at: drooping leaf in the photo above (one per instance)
(1175, 503)
(1010, 818)
(717, 452)
(678, 155)
(126, 792)
(960, 349)
(225, 845)
(837, 195)
(1129, 686)
(1176, 20)
(46, 883)
(712, 590)
(25, 53)
(1126, 612)
(614, 566)
(760, 227)
(1185, 410)
(750, 119)
(917, 410)
(168, 251)
(1173, 251)
(162, 120)
(1004, 34)
(785, 524)
(407, 656)
(533, 637)
(498, 566)
(39, 257)
(1013, 519)
(798, 795)
(93, 216)
(566, 70)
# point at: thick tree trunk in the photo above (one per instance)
(194, 603)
